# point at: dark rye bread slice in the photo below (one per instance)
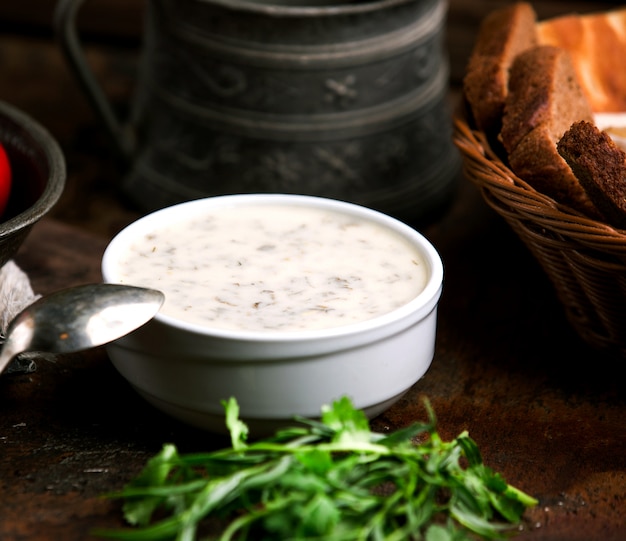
(502, 35)
(600, 166)
(544, 100)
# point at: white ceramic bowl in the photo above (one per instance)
(187, 369)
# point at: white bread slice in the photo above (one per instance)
(596, 43)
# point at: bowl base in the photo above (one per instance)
(259, 427)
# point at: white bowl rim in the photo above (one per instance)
(427, 298)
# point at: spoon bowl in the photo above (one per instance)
(79, 318)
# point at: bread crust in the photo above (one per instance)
(503, 34)
(600, 166)
(544, 100)
(543, 91)
(597, 44)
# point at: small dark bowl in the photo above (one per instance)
(39, 175)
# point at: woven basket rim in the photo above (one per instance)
(487, 170)
(584, 259)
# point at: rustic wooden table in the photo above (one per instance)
(546, 411)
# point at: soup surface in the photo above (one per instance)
(276, 268)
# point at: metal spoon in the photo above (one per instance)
(79, 318)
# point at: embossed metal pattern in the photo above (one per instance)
(239, 97)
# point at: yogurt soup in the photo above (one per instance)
(276, 268)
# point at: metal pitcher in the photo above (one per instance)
(342, 99)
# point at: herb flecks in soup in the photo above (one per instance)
(276, 268)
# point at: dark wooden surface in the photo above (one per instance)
(546, 411)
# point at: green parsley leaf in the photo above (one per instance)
(330, 480)
(238, 429)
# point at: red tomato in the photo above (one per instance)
(5, 179)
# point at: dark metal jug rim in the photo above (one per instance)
(307, 7)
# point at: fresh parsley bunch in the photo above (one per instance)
(330, 480)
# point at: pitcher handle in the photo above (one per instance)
(65, 28)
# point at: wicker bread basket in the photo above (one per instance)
(584, 259)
